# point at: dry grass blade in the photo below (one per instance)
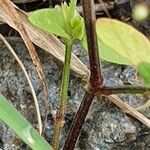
(9, 14)
(128, 109)
(28, 79)
(144, 106)
(104, 7)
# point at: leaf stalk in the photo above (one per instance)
(124, 89)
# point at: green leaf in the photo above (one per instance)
(122, 44)
(64, 11)
(50, 20)
(72, 9)
(77, 25)
(129, 44)
(144, 70)
(106, 53)
(62, 21)
(21, 126)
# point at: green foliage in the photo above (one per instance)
(122, 44)
(119, 43)
(111, 56)
(21, 126)
(144, 70)
(62, 21)
(49, 20)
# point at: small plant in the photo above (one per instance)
(65, 22)
(116, 45)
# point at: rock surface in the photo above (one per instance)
(106, 126)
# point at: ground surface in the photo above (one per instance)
(106, 126)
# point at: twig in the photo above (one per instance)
(96, 78)
(23, 1)
(104, 7)
(98, 7)
(28, 79)
(78, 121)
(128, 109)
(124, 89)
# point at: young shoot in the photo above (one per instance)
(63, 21)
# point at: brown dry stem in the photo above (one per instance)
(128, 109)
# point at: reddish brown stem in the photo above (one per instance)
(78, 121)
(96, 79)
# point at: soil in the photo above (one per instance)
(106, 126)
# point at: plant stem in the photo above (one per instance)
(96, 79)
(124, 89)
(78, 121)
(59, 122)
